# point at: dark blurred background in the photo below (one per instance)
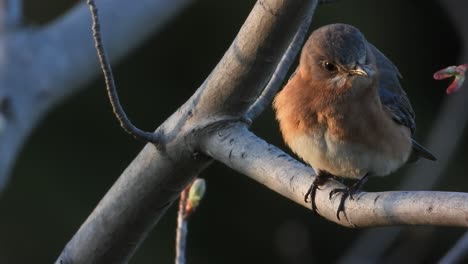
(79, 150)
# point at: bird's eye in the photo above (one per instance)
(329, 66)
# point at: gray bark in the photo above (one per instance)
(241, 150)
(155, 178)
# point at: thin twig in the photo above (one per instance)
(125, 123)
(181, 235)
(279, 75)
(189, 201)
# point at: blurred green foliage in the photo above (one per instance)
(79, 150)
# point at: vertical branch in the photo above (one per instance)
(190, 199)
(266, 97)
(153, 180)
(181, 235)
(125, 123)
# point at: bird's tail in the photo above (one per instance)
(420, 151)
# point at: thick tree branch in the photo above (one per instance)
(155, 178)
(241, 150)
(29, 52)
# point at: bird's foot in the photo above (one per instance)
(320, 179)
(347, 192)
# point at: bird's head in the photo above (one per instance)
(339, 55)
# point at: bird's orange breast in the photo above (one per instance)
(347, 135)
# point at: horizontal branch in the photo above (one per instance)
(125, 123)
(241, 150)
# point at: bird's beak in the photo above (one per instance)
(361, 70)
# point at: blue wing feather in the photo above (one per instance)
(392, 95)
(395, 100)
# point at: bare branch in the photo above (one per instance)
(241, 150)
(154, 179)
(182, 229)
(125, 123)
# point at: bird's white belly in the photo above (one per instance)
(343, 159)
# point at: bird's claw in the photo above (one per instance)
(347, 192)
(311, 193)
(336, 191)
(319, 180)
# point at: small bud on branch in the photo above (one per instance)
(452, 71)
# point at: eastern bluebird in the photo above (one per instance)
(344, 112)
